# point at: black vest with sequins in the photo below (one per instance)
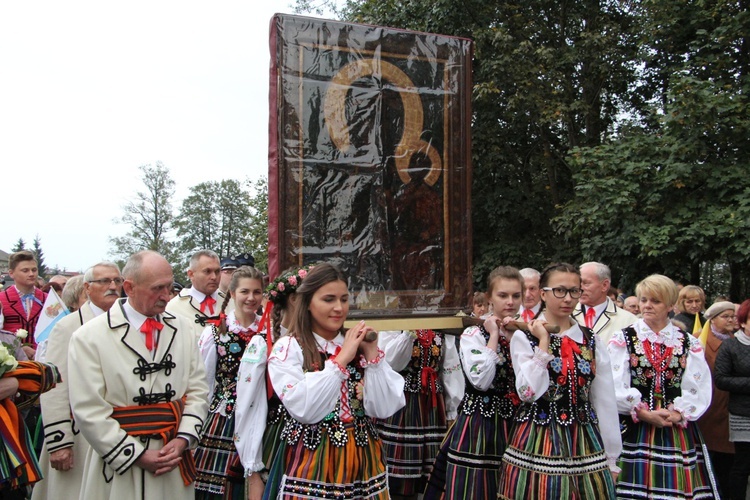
(501, 398)
(335, 427)
(229, 353)
(568, 398)
(643, 376)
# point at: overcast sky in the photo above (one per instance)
(89, 91)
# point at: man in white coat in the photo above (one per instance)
(138, 391)
(595, 310)
(202, 302)
(64, 450)
(532, 295)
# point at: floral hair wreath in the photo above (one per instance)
(286, 284)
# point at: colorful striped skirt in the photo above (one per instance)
(411, 440)
(549, 462)
(468, 464)
(335, 472)
(220, 474)
(274, 450)
(667, 463)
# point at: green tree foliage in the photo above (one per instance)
(670, 194)
(20, 245)
(219, 216)
(257, 236)
(149, 217)
(39, 254)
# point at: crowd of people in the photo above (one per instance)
(235, 388)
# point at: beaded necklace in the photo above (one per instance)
(659, 363)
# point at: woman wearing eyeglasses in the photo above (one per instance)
(663, 383)
(566, 438)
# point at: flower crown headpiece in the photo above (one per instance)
(286, 284)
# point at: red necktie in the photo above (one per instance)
(148, 328)
(208, 302)
(590, 316)
(528, 315)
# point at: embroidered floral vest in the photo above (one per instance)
(229, 349)
(501, 398)
(335, 427)
(668, 377)
(421, 374)
(568, 398)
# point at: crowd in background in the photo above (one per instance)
(559, 386)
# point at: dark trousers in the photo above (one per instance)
(721, 463)
(740, 471)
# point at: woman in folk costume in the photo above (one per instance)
(663, 385)
(468, 463)
(566, 438)
(234, 352)
(428, 361)
(332, 383)
(282, 296)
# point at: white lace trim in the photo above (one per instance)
(670, 336)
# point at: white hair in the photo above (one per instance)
(602, 270)
(89, 274)
(530, 273)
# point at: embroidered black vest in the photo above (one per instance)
(229, 353)
(335, 427)
(568, 398)
(421, 374)
(643, 376)
(501, 398)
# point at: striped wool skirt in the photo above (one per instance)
(549, 462)
(411, 440)
(468, 463)
(335, 472)
(274, 449)
(667, 463)
(220, 473)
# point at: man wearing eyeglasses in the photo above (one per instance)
(595, 310)
(64, 450)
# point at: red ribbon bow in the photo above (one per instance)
(209, 303)
(528, 315)
(567, 350)
(429, 382)
(590, 317)
(148, 328)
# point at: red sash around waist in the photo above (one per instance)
(159, 420)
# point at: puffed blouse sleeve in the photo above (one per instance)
(696, 383)
(479, 361)
(452, 377)
(251, 409)
(383, 391)
(627, 397)
(530, 365)
(604, 401)
(308, 397)
(397, 346)
(207, 348)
